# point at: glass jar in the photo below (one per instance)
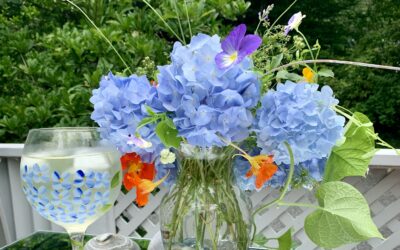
(205, 209)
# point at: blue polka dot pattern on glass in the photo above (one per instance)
(66, 197)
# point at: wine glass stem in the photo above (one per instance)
(77, 240)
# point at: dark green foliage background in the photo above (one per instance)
(51, 58)
(357, 30)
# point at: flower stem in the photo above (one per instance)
(284, 190)
(204, 194)
(188, 19)
(375, 136)
(291, 204)
(332, 61)
(101, 34)
(179, 21)
(281, 15)
(308, 46)
(258, 26)
(163, 20)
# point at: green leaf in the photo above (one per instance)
(145, 121)
(343, 217)
(168, 134)
(326, 73)
(106, 208)
(149, 110)
(115, 180)
(276, 61)
(283, 74)
(352, 157)
(285, 240)
(260, 240)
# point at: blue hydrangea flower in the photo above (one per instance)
(302, 115)
(208, 102)
(41, 174)
(63, 181)
(119, 106)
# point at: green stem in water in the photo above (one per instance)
(203, 190)
(163, 20)
(101, 34)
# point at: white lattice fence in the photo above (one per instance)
(135, 221)
(381, 188)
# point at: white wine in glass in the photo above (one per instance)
(70, 176)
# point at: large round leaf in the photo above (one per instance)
(343, 217)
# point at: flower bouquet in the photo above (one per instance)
(226, 116)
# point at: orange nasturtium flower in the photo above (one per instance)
(308, 74)
(262, 167)
(139, 175)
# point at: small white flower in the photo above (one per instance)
(167, 156)
(294, 22)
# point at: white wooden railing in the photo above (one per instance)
(381, 188)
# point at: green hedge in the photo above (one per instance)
(51, 58)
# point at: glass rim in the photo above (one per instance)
(81, 129)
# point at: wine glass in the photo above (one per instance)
(70, 176)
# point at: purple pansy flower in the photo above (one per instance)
(236, 46)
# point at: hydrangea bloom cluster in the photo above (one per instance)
(207, 101)
(302, 115)
(119, 106)
(306, 173)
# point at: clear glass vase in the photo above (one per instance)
(205, 209)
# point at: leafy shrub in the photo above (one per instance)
(51, 57)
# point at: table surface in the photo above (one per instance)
(50, 240)
(44, 240)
